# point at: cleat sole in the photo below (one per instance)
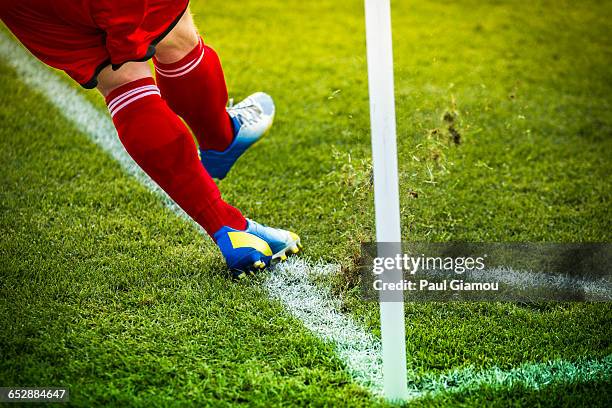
(240, 276)
(292, 249)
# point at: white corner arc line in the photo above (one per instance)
(318, 311)
(534, 376)
(314, 307)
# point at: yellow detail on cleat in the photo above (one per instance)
(259, 264)
(241, 239)
(283, 257)
(297, 245)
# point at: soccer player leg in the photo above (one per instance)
(162, 146)
(191, 79)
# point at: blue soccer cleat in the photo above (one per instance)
(255, 248)
(251, 119)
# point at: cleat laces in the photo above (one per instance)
(247, 112)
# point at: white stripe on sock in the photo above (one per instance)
(132, 99)
(123, 96)
(185, 69)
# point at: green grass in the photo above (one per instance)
(106, 291)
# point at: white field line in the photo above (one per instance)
(533, 376)
(318, 311)
(599, 290)
(315, 307)
(593, 290)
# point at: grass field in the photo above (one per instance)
(504, 135)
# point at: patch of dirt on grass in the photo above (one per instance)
(450, 119)
(455, 135)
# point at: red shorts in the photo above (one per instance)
(81, 37)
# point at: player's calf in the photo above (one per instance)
(163, 147)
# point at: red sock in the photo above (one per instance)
(195, 89)
(163, 147)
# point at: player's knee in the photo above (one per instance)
(109, 79)
(179, 42)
